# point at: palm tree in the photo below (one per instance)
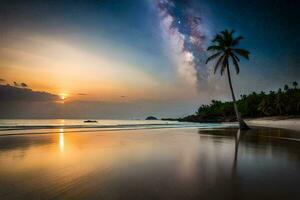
(295, 84)
(224, 46)
(279, 105)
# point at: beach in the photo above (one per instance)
(145, 163)
(149, 100)
(276, 122)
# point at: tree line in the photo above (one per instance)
(283, 102)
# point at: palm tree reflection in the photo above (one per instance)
(237, 141)
(236, 150)
(235, 184)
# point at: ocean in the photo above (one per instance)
(26, 126)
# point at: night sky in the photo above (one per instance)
(134, 58)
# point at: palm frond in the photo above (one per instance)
(218, 63)
(212, 57)
(237, 58)
(235, 63)
(224, 64)
(224, 33)
(225, 36)
(217, 38)
(215, 48)
(242, 52)
(236, 40)
(228, 37)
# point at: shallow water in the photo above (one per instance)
(39, 126)
(151, 164)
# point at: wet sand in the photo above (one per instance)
(151, 164)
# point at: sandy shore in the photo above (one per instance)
(151, 164)
(276, 122)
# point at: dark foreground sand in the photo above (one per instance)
(151, 164)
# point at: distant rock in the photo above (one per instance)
(151, 118)
(90, 121)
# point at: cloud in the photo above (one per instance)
(23, 85)
(2, 80)
(12, 93)
(16, 84)
(81, 94)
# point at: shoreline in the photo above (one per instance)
(276, 122)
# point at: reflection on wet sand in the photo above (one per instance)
(151, 164)
(61, 140)
(235, 184)
(236, 150)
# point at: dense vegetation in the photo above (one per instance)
(281, 102)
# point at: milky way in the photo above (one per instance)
(183, 26)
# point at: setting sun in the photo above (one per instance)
(63, 96)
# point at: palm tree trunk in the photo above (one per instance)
(242, 123)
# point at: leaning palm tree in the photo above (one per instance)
(225, 50)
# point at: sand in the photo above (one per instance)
(150, 164)
(276, 122)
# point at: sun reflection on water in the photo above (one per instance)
(61, 140)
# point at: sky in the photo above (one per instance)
(134, 58)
